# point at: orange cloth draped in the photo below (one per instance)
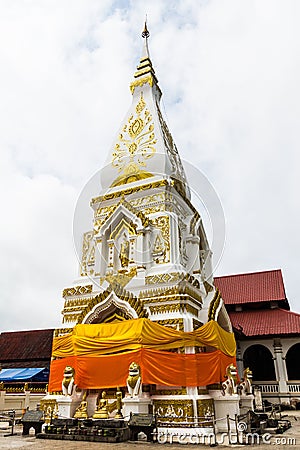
(157, 367)
(103, 339)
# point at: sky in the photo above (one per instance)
(229, 72)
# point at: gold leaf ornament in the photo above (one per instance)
(136, 127)
(135, 145)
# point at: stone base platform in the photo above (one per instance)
(92, 430)
(87, 438)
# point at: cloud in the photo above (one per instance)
(229, 73)
(37, 255)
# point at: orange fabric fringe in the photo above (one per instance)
(157, 367)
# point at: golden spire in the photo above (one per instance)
(145, 72)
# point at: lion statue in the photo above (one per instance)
(68, 381)
(134, 380)
(245, 387)
(229, 386)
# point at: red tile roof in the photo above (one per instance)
(266, 322)
(26, 347)
(251, 287)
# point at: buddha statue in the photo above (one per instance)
(101, 411)
(81, 411)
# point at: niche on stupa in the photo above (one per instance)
(160, 240)
(118, 240)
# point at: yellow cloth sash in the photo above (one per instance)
(101, 339)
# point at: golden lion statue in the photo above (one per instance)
(68, 381)
(229, 386)
(245, 386)
(134, 380)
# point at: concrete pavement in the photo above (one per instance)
(288, 440)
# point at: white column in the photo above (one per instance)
(280, 368)
(2, 400)
(99, 257)
(27, 399)
(146, 247)
(175, 257)
(191, 390)
(192, 249)
(239, 361)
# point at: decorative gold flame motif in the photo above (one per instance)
(135, 145)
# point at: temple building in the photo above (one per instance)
(267, 332)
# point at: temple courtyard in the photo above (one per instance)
(288, 440)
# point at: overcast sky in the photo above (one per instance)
(229, 72)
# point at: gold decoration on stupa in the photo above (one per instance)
(135, 144)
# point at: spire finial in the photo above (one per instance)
(145, 33)
(145, 72)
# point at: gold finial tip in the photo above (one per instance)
(145, 33)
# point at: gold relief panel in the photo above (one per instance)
(102, 214)
(105, 210)
(91, 258)
(50, 409)
(144, 201)
(162, 201)
(177, 277)
(174, 410)
(162, 223)
(155, 209)
(179, 291)
(87, 247)
(171, 277)
(171, 308)
(205, 412)
(131, 190)
(98, 223)
(77, 290)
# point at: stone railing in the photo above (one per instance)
(272, 387)
(267, 387)
(37, 387)
(294, 387)
(12, 399)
